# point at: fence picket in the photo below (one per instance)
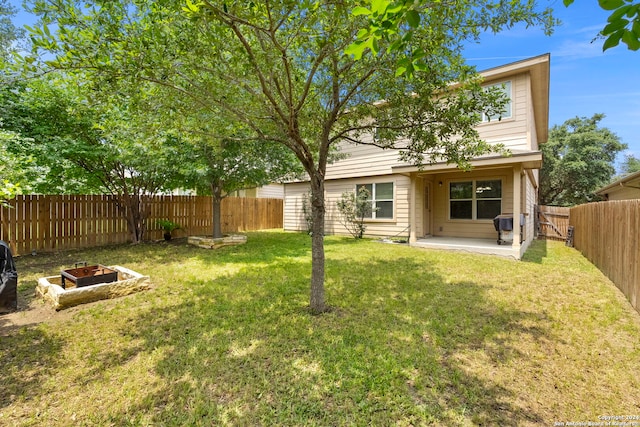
(48, 223)
(608, 235)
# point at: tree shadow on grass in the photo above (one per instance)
(27, 360)
(28, 354)
(398, 347)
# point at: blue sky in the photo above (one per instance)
(584, 80)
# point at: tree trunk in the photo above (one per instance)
(217, 204)
(134, 214)
(137, 220)
(317, 303)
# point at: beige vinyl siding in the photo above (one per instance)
(438, 214)
(532, 133)
(294, 194)
(515, 133)
(362, 160)
(365, 164)
(625, 188)
(375, 227)
(248, 192)
(512, 132)
(443, 226)
(531, 196)
(271, 191)
(624, 193)
(420, 210)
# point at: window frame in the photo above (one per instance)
(509, 93)
(374, 200)
(474, 199)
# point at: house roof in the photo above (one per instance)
(629, 181)
(538, 69)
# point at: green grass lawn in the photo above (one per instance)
(415, 337)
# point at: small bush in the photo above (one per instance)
(168, 225)
(354, 208)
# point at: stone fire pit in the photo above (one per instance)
(128, 282)
(211, 243)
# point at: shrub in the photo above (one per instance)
(354, 208)
(168, 225)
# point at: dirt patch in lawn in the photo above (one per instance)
(33, 311)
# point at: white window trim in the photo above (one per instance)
(474, 199)
(392, 200)
(485, 119)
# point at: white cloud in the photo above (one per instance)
(592, 30)
(571, 49)
(605, 94)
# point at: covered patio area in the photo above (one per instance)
(477, 246)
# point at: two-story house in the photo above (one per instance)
(440, 205)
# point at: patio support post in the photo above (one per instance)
(517, 201)
(412, 211)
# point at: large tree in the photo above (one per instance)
(73, 144)
(218, 157)
(280, 68)
(11, 171)
(630, 164)
(12, 167)
(10, 35)
(220, 167)
(577, 159)
(48, 120)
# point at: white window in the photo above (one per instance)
(505, 87)
(481, 199)
(381, 199)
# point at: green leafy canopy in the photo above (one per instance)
(623, 25)
(578, 159)
(390, 26)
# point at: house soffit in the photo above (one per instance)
(629, 181)
(532, 160)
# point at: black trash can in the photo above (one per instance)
(8, 280)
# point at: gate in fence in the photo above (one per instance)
(552, 222)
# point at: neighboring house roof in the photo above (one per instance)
(629, 181)
(538, 68)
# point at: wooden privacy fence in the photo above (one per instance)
(47, 223)
(608, 234)
(552, 222)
